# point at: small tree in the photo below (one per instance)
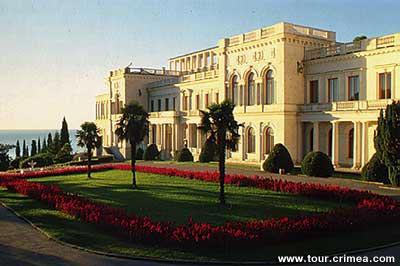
(220, 124)
(25, 152)
(17, 150)
(33, 148)
(64, 133)
(359, 38)
(44, 145)
(56, 147)
(4, 157)
(49, 140)
(39, 146)
(387, 140)
(133, 126)
(88, 137)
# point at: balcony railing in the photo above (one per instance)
(346, 106)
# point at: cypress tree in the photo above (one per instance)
(39, 146)
(57, 143)
(44, 145)
(64, 138)
(17, 150)
(49, 140)
(387, 141)
(24, 153)
(33, 148)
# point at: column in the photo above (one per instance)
(364, 143)
(242, 145)
(204, 59)
(335, 143)
(199, 144)
(316, 136)
(259, 141)
(356, 147)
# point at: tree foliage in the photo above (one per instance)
(17, 150)
(64, 133)
(133, 127)
(220, 125)
(4, 157)
(387, 140)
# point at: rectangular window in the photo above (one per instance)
(152, 106)
(385, 85)
(197, 102)
(174, 103)
(206, 100)
(314, 91)
(166, 104)
(159, 105)
(217, 97)
(185, 103)
(353, 88)
(333, 95)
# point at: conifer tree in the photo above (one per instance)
(387, 140)
(64, 138)
(24, 150)
(17, 150)
(49, 140)
(44, 145)
(57, 143)
(33, 148)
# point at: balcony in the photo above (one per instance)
(164, 114)
(352, 47)
(208, 72)
(346, 106)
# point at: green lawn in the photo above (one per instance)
(175, 198)
(111, 187)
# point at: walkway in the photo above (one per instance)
(343, 182)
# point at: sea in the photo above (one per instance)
(11, 137)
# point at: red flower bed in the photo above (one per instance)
(370, 209)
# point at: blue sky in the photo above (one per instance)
(56, 54)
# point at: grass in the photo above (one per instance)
(175, 198)
(73, 231)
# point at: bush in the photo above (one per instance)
(278, 158)
(375, 170)
(64, 155)
(208, 151)
(317, 163)
(15, 163)
(41, 159)
(184, 155)
(151, 153)
(139, 154)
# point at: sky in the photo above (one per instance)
(55, 55)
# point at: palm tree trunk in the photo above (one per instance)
(133, 163)
(221, 164)
(89, 162)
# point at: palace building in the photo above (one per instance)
(291, 84)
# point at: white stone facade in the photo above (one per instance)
(291, 84)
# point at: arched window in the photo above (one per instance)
(268, 140)
(350, 145)
(251, 88)
(234, 90)
(269, 88)
(251, 140)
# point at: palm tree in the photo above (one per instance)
(133, 126)
(220, 125)
(88, 136)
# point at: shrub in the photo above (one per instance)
(317, 163)
(375, 170)
(139, 154)
(41, 159)
(151, 153)
(64, 155)
(184, 155)
(15, 163)
(208, 151)
(279, 158)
